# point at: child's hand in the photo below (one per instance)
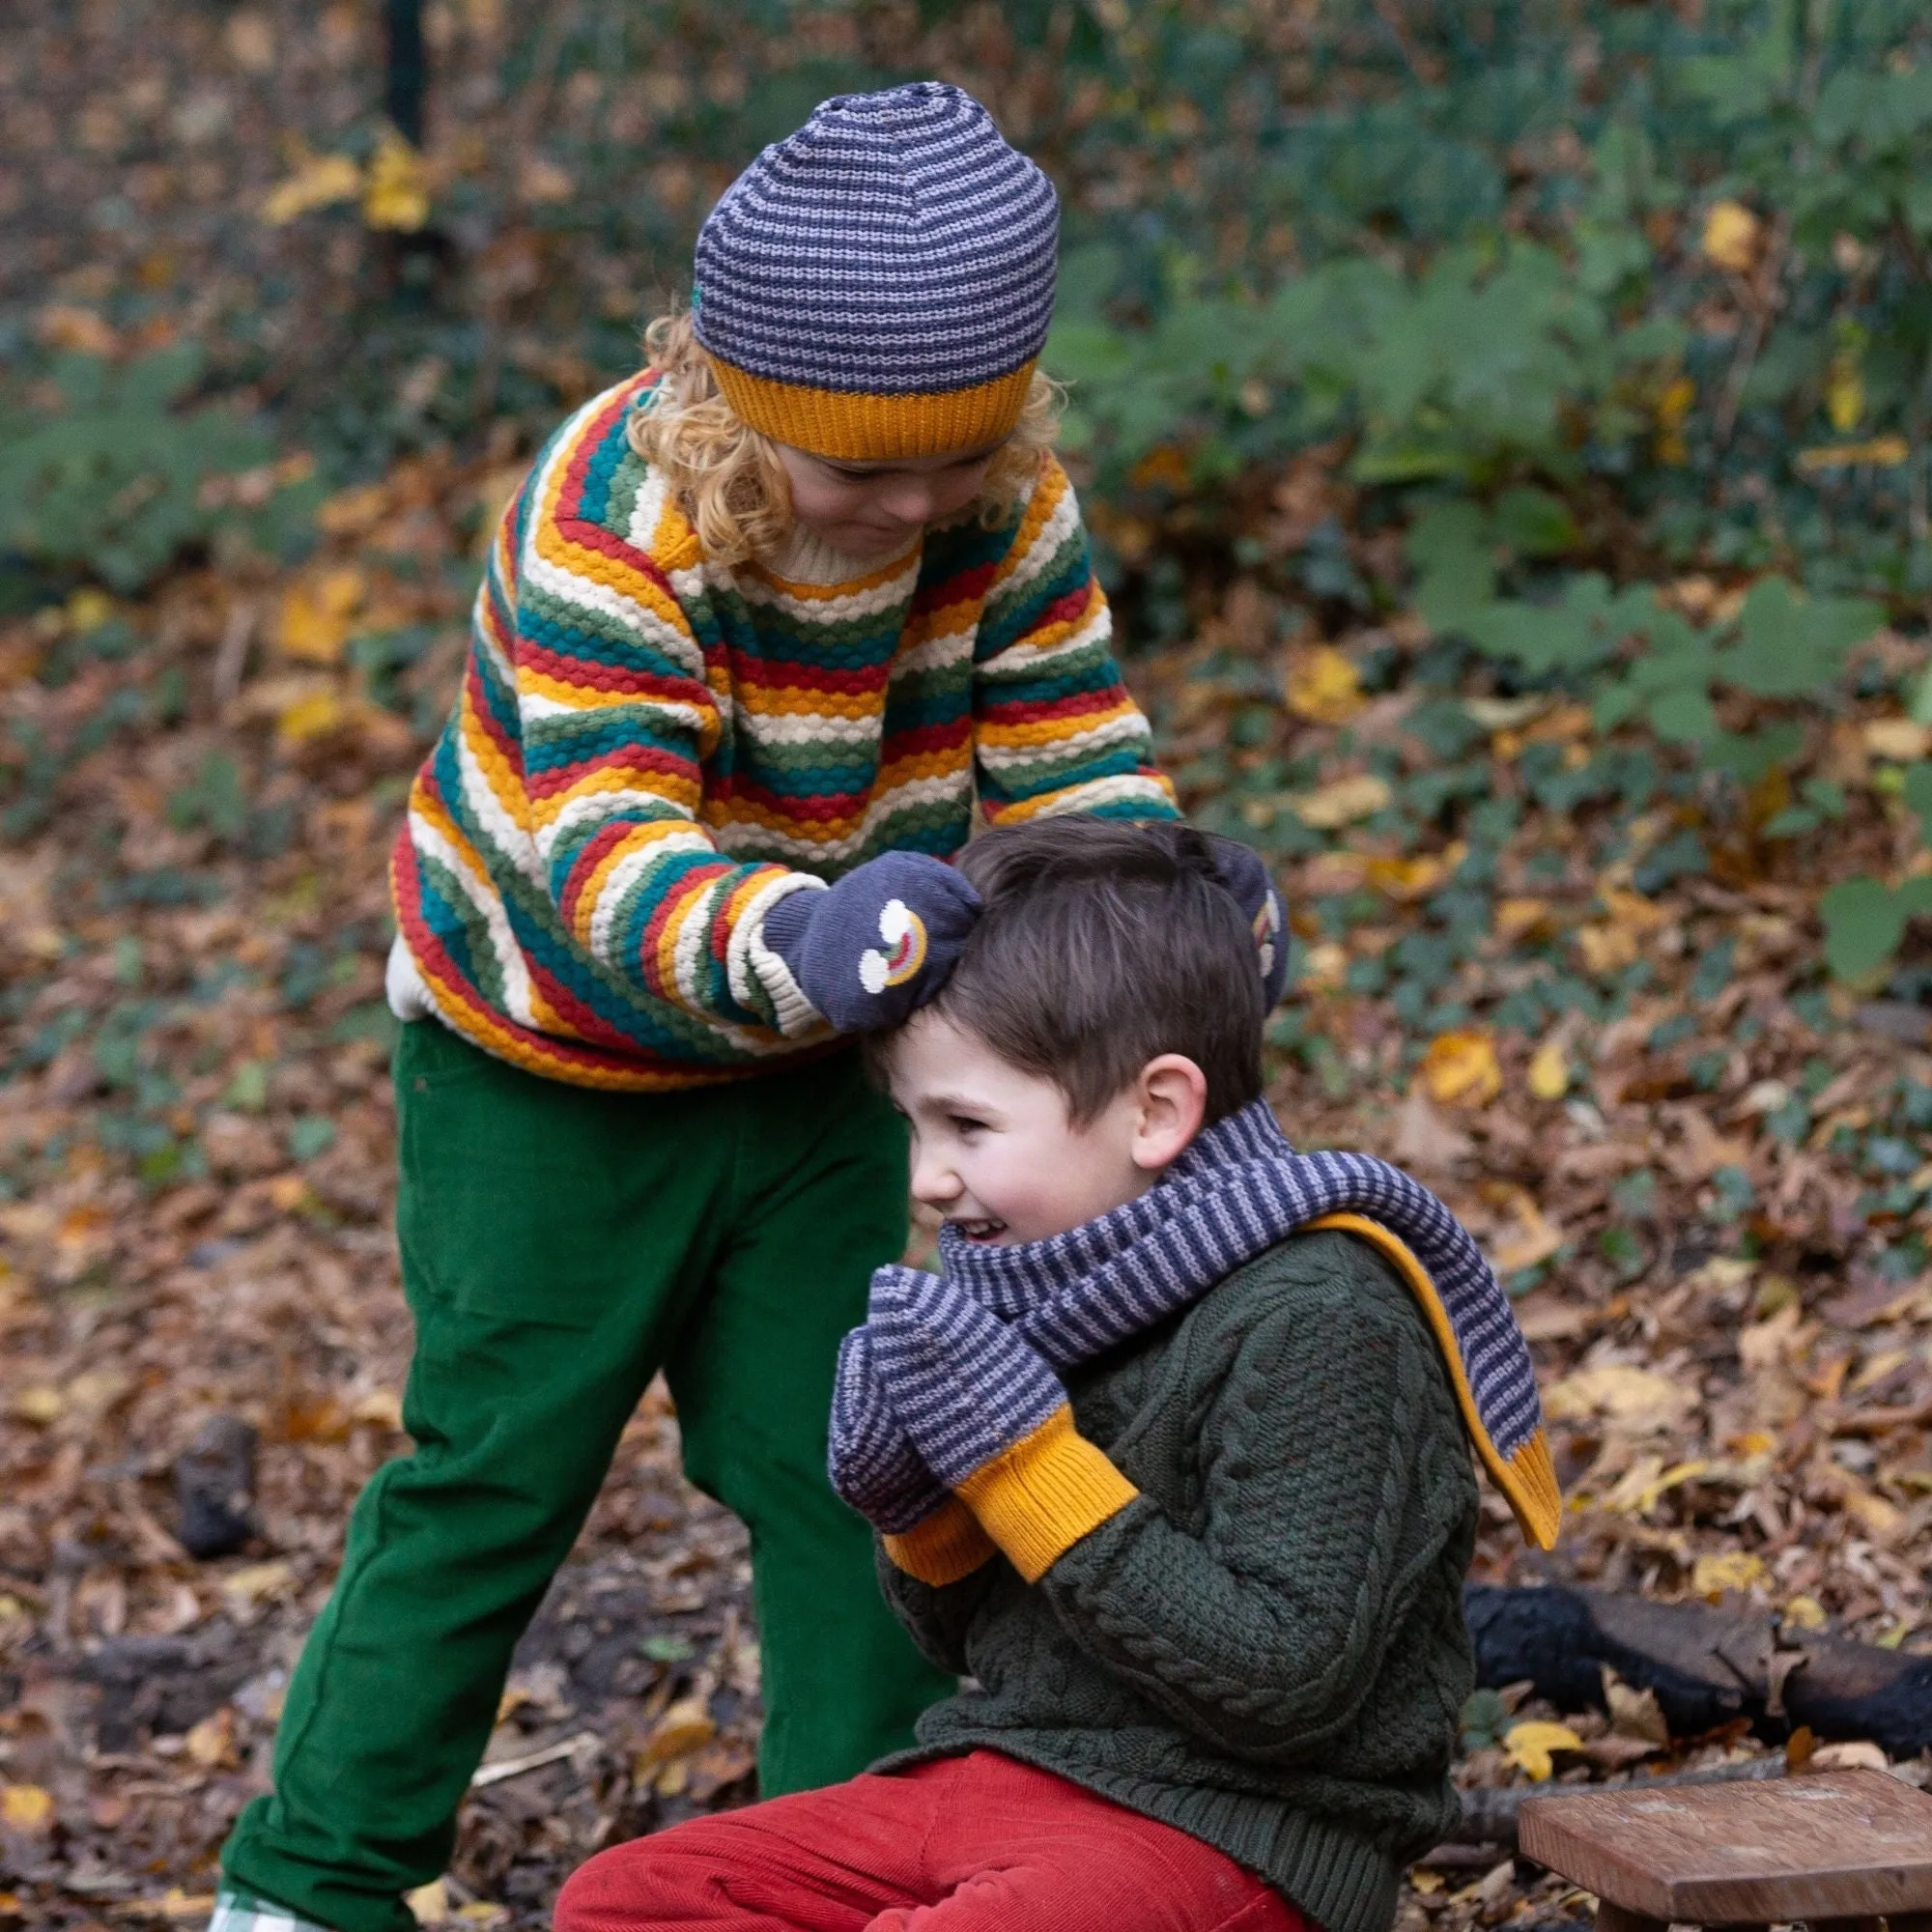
(872, 1462)
(1247, 875)
(963, 1385)
(880, 943)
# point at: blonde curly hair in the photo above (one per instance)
(727, 476)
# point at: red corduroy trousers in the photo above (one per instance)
(959, 1846)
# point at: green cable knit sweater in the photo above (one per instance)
(1267, 1647)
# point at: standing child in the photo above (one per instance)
(764, 620)
(1174, 1462)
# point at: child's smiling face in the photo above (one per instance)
(996, 1152)
(875, 509)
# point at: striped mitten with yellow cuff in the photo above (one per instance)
(991, 1421)
(872, 1463)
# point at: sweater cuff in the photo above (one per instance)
(1040, 1497)
(942, 1547)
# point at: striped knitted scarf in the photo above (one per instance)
(1237, 1191)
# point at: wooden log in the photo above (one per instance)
(1706, 1665)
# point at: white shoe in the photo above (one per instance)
(235, 1913)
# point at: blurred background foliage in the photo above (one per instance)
(1591, 342)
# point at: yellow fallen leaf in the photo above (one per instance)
(1633, 909)
(1639, 1488)
(249, 1584)
(1460, 1069)
(1421, 1879)
(1731, 236)
(1516, 917)
(1529, 1746)
(1876, 1516)
(87, 609)
(1324, 686)
(288, 1193)
(1726, 1570)
(684, 1727)
(397, 194)
(1670, 411)
(320, 180)
(1549, 1072)
(1333, 806)
(39, 1405)
(313, 716)
(26, 1807)
(316, 613)
(1607, 948)
(1844, 393)
(1880, 452)
(383, 1408)
(1406, 880)
(429, 1904)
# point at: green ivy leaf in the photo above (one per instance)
(1455, 562)
(1683, 717)
(1533, 523)
(1864, 920)
(1791, 646)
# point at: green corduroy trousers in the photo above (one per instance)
(560, 1245)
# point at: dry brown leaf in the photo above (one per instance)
(1340, 803)
(1620, 1392)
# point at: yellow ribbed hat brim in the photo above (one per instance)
(859, 428)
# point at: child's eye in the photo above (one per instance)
(965, 1123)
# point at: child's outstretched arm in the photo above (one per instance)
(1054, 728)
(585, 665)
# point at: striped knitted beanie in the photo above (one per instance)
(879, 285)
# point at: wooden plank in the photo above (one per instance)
(1848, 1844)
(1614, 1918)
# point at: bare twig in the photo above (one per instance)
(514, 1767)
(230, 658)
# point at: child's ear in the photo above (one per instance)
(1172, 1091)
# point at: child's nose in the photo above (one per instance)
(933, 1182)
(912, 501)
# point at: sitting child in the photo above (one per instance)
(1171, 1462)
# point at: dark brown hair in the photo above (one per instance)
(1101, 944)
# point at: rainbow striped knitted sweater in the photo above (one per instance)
(652, 749)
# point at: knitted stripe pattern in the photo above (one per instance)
(894, 247)
(650, 749)
(1237, 1191)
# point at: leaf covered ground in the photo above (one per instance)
(1566, 975)
(1701, 1170)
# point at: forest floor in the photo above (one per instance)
(1703, 1169)
(200, 1132)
